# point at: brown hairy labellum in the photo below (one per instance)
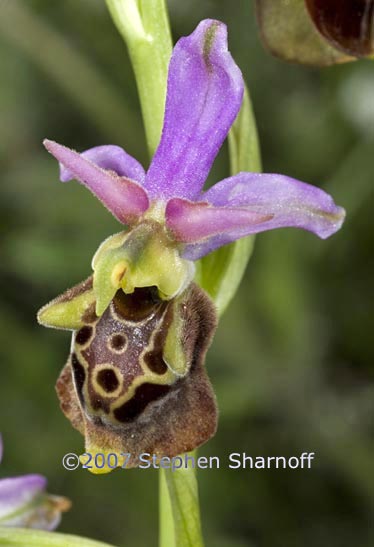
(135, 380)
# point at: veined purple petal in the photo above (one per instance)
(110, 157)
(17, 492)
(282, 201)
(124, 198)
(204, 94)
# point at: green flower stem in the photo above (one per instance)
(144, 26)
(18, 537)
(166, 514)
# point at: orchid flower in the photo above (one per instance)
(24, 502)
(176, 220)
(135, 380)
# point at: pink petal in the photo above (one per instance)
(192, 222)
(124, 198)
(249, 203)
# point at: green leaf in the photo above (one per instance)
(19, 537)
(221, 272)
(144, 26)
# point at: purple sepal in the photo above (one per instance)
(204, 94)
(124, 198)
(282, 201)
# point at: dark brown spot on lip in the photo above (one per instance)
(118, 341)
(79, 376)
(154, 359)
(155, 362)
(144, 394)
(137, 305)
(107, 379)
(89, 315)
(83, 335)
(98, 404)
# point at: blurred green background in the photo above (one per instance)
(292, 362)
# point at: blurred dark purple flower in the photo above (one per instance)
(24, 502)
(347, 24)
(317, 32)
(204, 95)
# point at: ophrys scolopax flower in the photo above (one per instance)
(135, 380)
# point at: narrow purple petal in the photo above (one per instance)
(124, 198)
(192, 222)
(204, 94)
(282, 201)
(113, 158)
(17, 492)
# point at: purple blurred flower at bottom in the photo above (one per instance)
(24, 502)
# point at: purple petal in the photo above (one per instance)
(110, 157)
(124, 198)
(282, 201)
(204, 94)
(17, 492)
(192, 222)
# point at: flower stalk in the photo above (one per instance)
(144, 26)
(180, 523)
